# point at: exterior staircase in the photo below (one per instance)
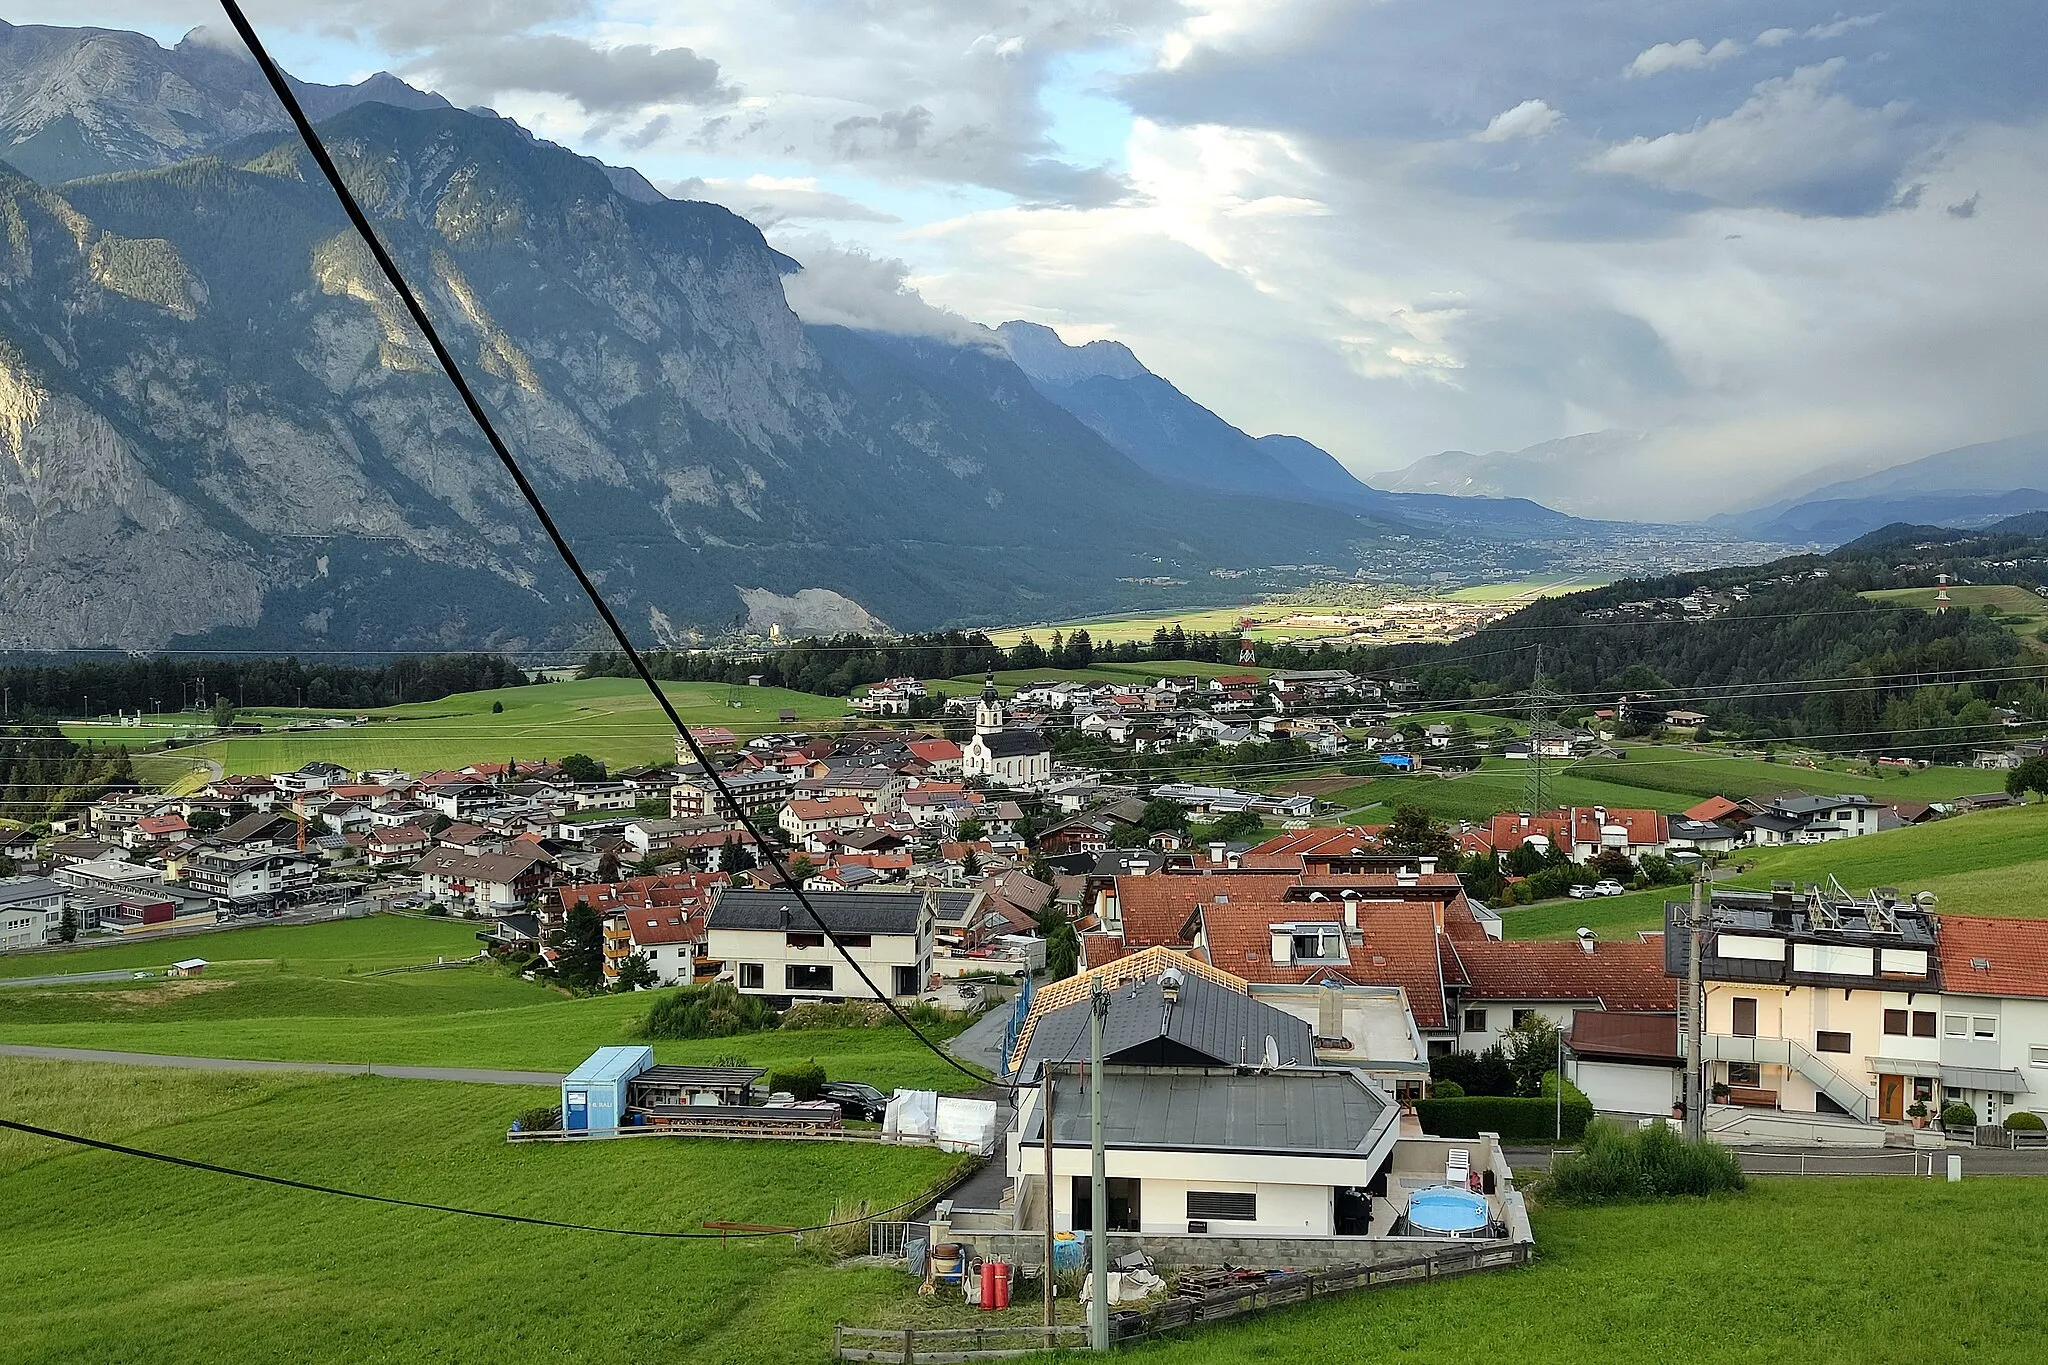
(1725, 1047)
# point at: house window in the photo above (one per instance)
(1825, 1041)
(804, 940)
(2037, 1056)
(1221, 1206)
(1745, 1016)
(1923, 1023)
(1522, 1018)
(1895, 1023)
(1747, 1075)
(1475, 1021)
(805, 977)
(1957, 1026)
(1923, 1089)
(753, 976)
(1980, 1027)
(1439, 1047)
(856, 941)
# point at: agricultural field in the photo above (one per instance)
(2023, 612)
(1140, 626)
(1688, 775)
(185, 1265)
(120, 1259)
(1991, 863)
(613, 719)
(306, 993)
(1529, 589)
(1497, 785)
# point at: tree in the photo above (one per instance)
(1613, 863)
(1480, 873)
(497, 708)
(608, 866)
(970, 866)
(973, 828)
(206, 821)
(438, 823)
(1531, 1049)
(582, 768)
(1062, 945)
(223, 713)
(801, 869)
(636, 973)
(1413, 831)
(579, 959)
(2030, 776)
(8, 867)
(67, 925)
(1236, 826)
(1483, 1073)
(1163, 813)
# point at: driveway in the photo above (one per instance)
(467, 1075)
(981, 1042)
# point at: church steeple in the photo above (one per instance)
(988, 716)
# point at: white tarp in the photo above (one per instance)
(953, 1125)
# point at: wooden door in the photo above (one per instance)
(1891, 1098)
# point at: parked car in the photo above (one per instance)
(1580, 893)
(856, 1100)
(1607, 886)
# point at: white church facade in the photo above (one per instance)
(1005, 757)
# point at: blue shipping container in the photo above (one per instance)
(594, 1094)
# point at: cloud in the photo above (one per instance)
(768, 201)
(1965, 208)
(1689, 55)
(615, 80)
(844, 287)
(1794, 144)
(1823, 32)
(1530, 118)
(1775, 37)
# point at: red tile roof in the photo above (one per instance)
(1712, 809)
(1288, 850)
(2014, 951)
(665, 925)
(833, 808)
(935, 750)
(1621, 974)
(1157, 907)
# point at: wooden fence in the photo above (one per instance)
(911, 1345)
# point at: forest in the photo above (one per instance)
(41, 771)
(165, 684)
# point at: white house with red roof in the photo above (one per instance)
(803, 820)
(1994, 1014)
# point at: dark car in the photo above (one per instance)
(855, 1099)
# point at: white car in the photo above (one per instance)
(1607, 886)
(1581, 893)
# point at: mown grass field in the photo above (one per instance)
(1991, 863)
(1497, 785)
(613, 719)
(302, 993)
(115, 1259)
(1735, 774)
(1529, 589)
(1141, 625)
(2023, 612)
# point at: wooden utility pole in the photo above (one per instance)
(1695, 1091)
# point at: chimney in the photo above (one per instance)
(1216, 851)
(1524, 818)
(1437, 912)
(1351, 915)
(1330, 1012)
(1404, 876)
(1283, 946)
(1586, 940)
(1428, 865)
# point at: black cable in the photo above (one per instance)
(446, 359)
(191, 1163)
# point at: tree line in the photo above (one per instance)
(53, 689)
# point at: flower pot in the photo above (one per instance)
(1919, 1120)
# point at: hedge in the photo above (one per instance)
(1515, 1119)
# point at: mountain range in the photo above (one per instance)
(1970, 486)
(219, 429)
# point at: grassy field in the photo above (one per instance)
(1991, 863)
(608, 718)
(115, 1259)
(1141, 625)
(1498, 785)
(1686, 773)
(302, 993)
(1529, 589)
(2023, 612)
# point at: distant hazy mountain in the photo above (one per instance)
(1170, 435)
(1969, 486)
(1593, 475)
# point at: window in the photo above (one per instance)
(752, 976)
(2037, 1056)
(1923, 1089)
(1895, 1023)
(804, 977)
(857, 940)
(1745, 1075)
(804, 940)
(1957, 1026)
(1923, 1023)
(1980, 1027)
(1475, 1021)
(1439, 1047)
(1219, 1206)
(1824, 1041)
(1745, 1017)
(1522, 1018)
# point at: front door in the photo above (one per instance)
(576, 1112)
(1891, 1098)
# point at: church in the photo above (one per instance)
(1007, 758)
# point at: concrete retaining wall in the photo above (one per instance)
(1295, 1253)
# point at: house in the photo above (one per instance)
(245, 878)
(191, 966)
(667, 937)
(483, 883)
(942, 757)
(395, 845)
(163, 828)
(1703, 837)
(805, 820)
(1505, 984)
(770, 946)
(31, 913)
(1994, 1014)
(260, 829)
(1687, 720)
(756, 793)
(1817, 819)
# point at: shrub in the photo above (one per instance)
(1958, 1115)
(1515, 1119)
(2020, 1121)
(714, 1011)
(1447, 1090)
(804, 1082)
(1614, 1164)
(846, 1014)
(545, 1118)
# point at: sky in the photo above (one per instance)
(1779, 236)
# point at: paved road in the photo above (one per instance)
(74, 978)
(1850, 1160)
(981, 1042)
(470, 1075)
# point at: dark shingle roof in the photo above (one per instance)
(1015, 743)
(1278, 1111)
(844, 912)
(1208, 1024)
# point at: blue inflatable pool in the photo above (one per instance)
(1446, 1211)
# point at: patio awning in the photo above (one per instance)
(1983, 1078)
(1905, 1066)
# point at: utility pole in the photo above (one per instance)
(1098, 1180)
(1045, 1103)
(1695, 1108)
(1538, 794)
(1560, 1084)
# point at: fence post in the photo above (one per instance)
(909, 1345)
(835, 1342)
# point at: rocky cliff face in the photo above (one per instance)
(217, 427)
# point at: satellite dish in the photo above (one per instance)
(1270, 1059)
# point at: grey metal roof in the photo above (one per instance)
(15, 890)
(844, 912)
(1977, 1078)
(1208, 1023)
(1325, 1112)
